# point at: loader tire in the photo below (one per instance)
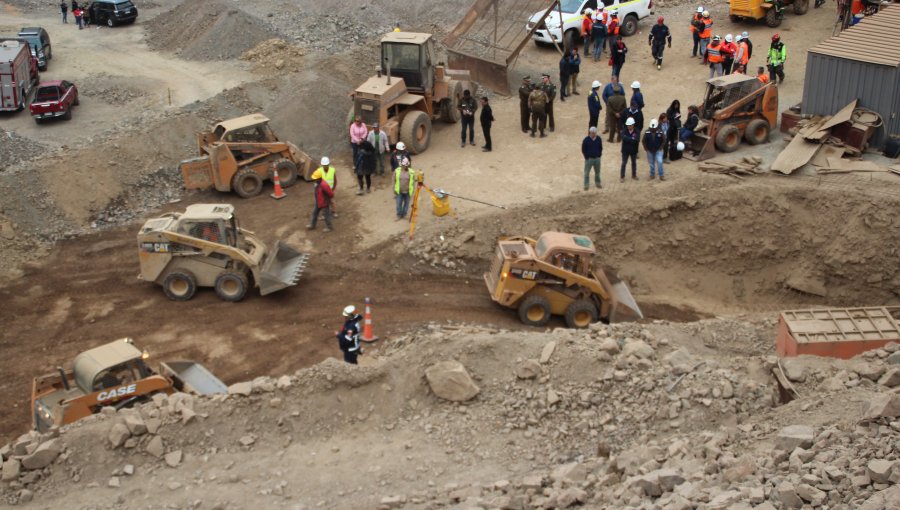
(450, 104)
(534, 311)
(232, 285)
(415, 131)
(757, 132)
(801, 6)
(246, 183)
(772, 18)
(180, 285)
(728, 139)
(287, 172)
(580, 314)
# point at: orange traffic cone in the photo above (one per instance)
(367, 335)
(279, 192)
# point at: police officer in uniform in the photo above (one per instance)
(550, 90)
(524, 93)
(348, 338)
(537, 103)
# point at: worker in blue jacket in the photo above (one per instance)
(594, 104)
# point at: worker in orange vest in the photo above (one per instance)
(705, 34)
(714, 57)
(612, 31)
(761, 75)
(696, 28)
(586, 30)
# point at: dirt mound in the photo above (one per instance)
(275, 56)
(206, 30)
(15, 148)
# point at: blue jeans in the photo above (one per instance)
(402, 204)
(598, 48)
(315, 216)
(656, 162)
(625, 157)
(65, 15)
(355, 147)
(685, 134)
(590, 163)
(617, 68)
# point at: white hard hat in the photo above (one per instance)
(589, 11)
(680, 146)
(325, 161)
(745, 35)
(738, 38)
(700, 9)
(596, 84)
(630, 121)
(613, 12)
(635, 84)
(729, 38)
(705, 14)
(401, 146)
(654, 123)
(349, 310)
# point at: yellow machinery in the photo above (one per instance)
(765, 10)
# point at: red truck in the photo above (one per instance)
(17, 75)
(54, 99)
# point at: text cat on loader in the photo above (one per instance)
(410, 90)
(556, 275)
(117, 375)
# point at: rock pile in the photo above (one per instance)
(15, 148)
(275, 56)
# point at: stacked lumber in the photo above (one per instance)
(747, 166)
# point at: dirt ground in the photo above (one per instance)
(693, 247)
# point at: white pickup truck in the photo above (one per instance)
(629, 12)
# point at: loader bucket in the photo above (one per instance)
(191, 377)
(702, 147)
(490, 74)
(627, 309)
(280, 269)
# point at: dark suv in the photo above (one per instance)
(39, 40)
(112, 12)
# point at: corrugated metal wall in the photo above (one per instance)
(832, 82)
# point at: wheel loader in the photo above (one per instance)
(410, 90)
(204, 247)
(556, 275)
(115, 374)
(240, 154)
(736, 106)
(756, 10)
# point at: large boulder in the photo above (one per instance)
(681, 361)
(528, 369)
(45, 454)
(795, 436)
(883, 405)
(449, 380)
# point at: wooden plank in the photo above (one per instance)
(821, 157)
(795, 155)
(842, 116)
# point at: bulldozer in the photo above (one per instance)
(756, 10)
(736, 106)
(410, 90)
(204, 247)
(556, 275)
(240, 154)
(114, 374)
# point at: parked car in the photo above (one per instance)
(112, 12)
(18, 75)
(54, 99)
(39, 40)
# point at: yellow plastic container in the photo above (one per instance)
(441, 204)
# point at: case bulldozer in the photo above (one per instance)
(736, 106)
(115, 374)
(556, 275)
(204, 247)
(240, 154)
(410, 90)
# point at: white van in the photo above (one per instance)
(629, 11)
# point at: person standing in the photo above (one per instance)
(637, 97)
(630, 142)
(776, 58)
(654, 141)
(550, 90)
(329, 175)
(696, 30)
(537, 103)
(467, 107)
(742, 56)
(64, 9)
(664, 129)
(382, 145)
(659, 34)
(705, 34)
(487, 118)
(592, 149)
(674, 116)
(79, 16)
(746, 38)
(563, 77)
(594, 105)
(322, 203)
(598, 33)
(618, 56)
(729, 51)
(399, 154)
(574, 69)
(611, 89)
(348, 337)
(404, 187)
(365, 167)
(612, 30)
(358, 133)
(615, 110)
(714, 57)
(524, 93)
(586, 24)
(634, 112)
(761, 75)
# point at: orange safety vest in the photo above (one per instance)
(714, 53)
(745, 53)
(614, 26)
(707, 28)
(605, 17)
(763, 78)
(697, 17)
(586, 25)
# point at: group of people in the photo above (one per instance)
(78, 12)
(732, 54)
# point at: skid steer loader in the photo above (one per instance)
(240, 154)
(556, 275)
(735, 106)
(115, 374)
(204, 247)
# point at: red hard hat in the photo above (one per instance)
(660, 20)
(776, 37)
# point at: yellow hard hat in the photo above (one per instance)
(317, 174)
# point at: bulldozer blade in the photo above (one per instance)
(627, 309)
(487, 73)
(281, 269)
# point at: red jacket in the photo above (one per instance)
(324, 194)
(586, 25)
(728, 50)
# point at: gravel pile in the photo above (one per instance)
(15, 148)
